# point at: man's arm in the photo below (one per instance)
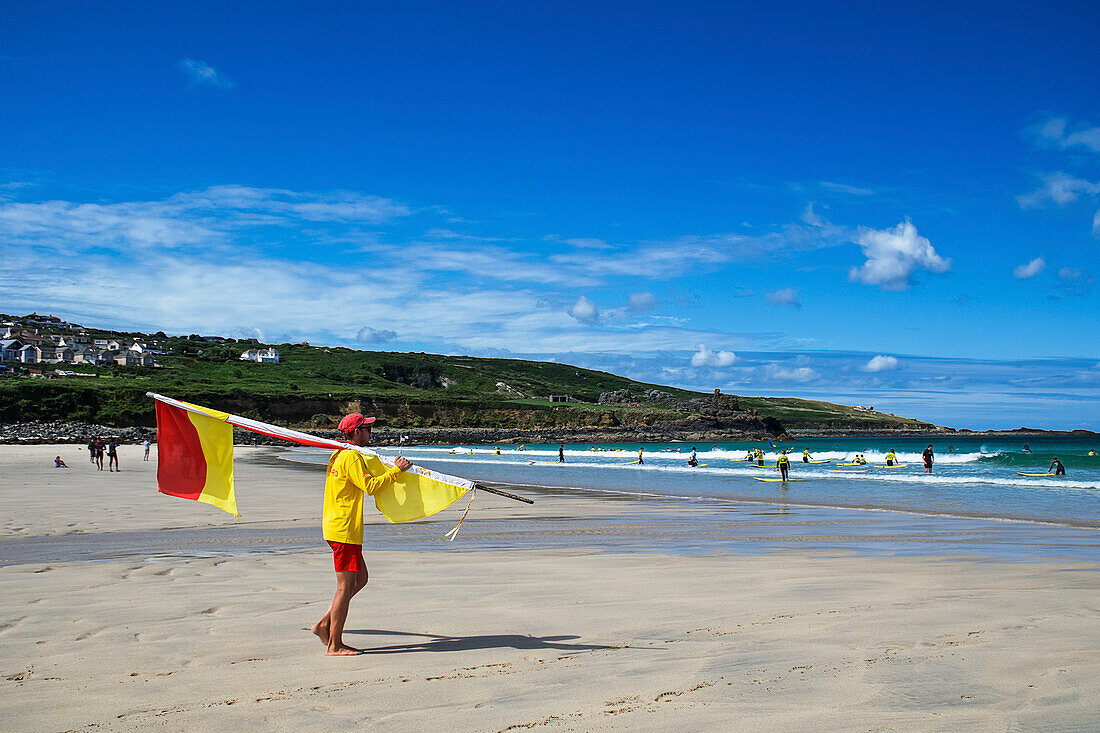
(371, 485)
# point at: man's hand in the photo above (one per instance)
(403, 463)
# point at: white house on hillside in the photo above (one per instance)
(262, 355)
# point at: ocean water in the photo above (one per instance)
(972, 477)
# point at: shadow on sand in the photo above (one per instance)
(440, 643)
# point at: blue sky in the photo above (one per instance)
(896, 206)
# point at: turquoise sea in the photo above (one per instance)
(972, 477)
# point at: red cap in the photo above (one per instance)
(353, 421)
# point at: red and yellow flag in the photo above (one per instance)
(195, 455)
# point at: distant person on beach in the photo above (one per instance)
(1056, 467)
(783, 464)
(929, 459)
(58, 463)
(561, 453)
(99, 454)
(112, 456)
(91, 451)
(342, 526)
(693, 461)
(146, 445)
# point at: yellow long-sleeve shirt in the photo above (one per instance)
(345, 484)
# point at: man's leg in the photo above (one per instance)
(346, 587)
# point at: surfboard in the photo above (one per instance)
(627, 463)
(530, 461)
(853, 464)
(1018, 473)
(812, 461)
(858, 470)
(777, 480)
(896, 465)
(700, 465)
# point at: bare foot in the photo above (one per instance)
(343, 651)
(321, 630)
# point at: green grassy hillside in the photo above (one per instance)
(314, 385)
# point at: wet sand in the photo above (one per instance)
(619, 623)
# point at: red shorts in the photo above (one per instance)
(347, 558)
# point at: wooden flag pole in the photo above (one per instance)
(505, 494)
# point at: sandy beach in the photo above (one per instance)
(575, 636)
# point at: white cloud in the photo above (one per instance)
(188, 219)
(588, 243)
(585, 311)
(894, 255)
(784, 297)
(777, 373)
(1031, 269)
(1096, 224)
(1054, 131)
(1060, 188)
(844, 188)
(200, 72)
(811, 217)
(1069, 274)
(881, 364)
(369, 335)
(642, 302)
(704, 357)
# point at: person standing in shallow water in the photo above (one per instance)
(929, 459)
(561, 453)
(342, 526)
(783, 465)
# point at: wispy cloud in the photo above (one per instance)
(894, 256)
(201, 73)
(1031, 269)
(1056, 131)
(786, 297)
(844, 188)
(641, 302)
(1060, 188)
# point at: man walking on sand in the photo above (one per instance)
(342, 526)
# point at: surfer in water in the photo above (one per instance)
(561, 453)
(1027, 448)
(806, 456)
(693, 461)
(929, 459)
(891, 459)
(1056, 467)
(640, 460)
(783, 464)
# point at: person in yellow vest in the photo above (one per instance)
(759, 457)
(806, 456)
(891, 459)
(498, 450)
(640, 459)
(523, 447)
(783, 464)
(346, 482)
